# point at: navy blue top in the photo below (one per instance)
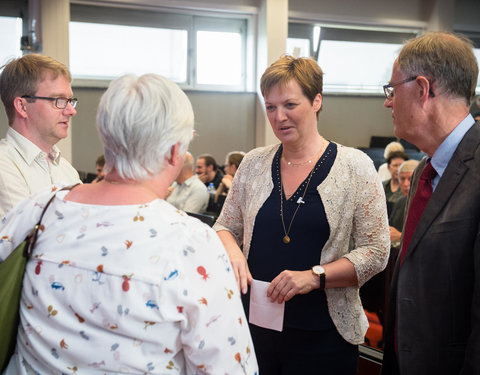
(309, 232)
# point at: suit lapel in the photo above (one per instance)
(455, 171)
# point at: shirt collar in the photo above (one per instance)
(190, 180)
(444, 152)
(28, 150)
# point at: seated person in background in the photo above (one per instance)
(99, 164)
(147, 289)
(476, 116)
(39, 103)
(232, 162)
(397, 217)
(207, 170)
(375, 292)
(392, 186)
(383, 171)
(188, 192)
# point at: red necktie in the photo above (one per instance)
(419, 201)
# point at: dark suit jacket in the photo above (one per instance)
(435, 296)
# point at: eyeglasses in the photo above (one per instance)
(60, 103)
(388, 89)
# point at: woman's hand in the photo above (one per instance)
(227, 181)
(290, 283)
(240, 269)
(238, 260)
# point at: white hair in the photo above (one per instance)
(392, 147)
(139, 119)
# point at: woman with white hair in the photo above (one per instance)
(119, 280)
(383, 171)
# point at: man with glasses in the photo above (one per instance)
(434, 314)
(39, 103)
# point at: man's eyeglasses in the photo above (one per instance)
(388, 89)
(60, 103)
(389, 92)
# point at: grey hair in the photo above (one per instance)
(444, 58)
(139, 119)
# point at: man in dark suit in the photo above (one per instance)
(434, 315)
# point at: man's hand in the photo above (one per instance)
(395, 235)
(203, 177)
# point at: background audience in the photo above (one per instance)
(383, 171)
(232, 162)
(99, 164)
(208, 171)
(392, 185)
(397, 217)
(188, 193)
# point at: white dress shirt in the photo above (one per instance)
(25, 169)
(191, 196)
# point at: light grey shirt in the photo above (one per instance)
(25, 169)
(191, 196)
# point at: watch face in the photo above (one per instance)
(318, 270)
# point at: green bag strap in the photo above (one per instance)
(32, 237)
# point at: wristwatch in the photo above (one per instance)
(320, 272)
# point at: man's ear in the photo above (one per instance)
(20, 106)
(425, 88)
(174, 158)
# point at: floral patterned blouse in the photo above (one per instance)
(137, 289)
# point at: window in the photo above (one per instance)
(298, 47)
(120, 49)
(354, 60)
(219, 58)
(302, 39)
(356, 66)
(10, 34)
(196, 51)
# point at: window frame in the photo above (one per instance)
(160, 17)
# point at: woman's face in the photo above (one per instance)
(395, 163)
(292, 116)
(229, 169)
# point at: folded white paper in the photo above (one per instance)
(263, 312)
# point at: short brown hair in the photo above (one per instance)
(21, 76)
(304, 70)
(235, 158)
(446, 59)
